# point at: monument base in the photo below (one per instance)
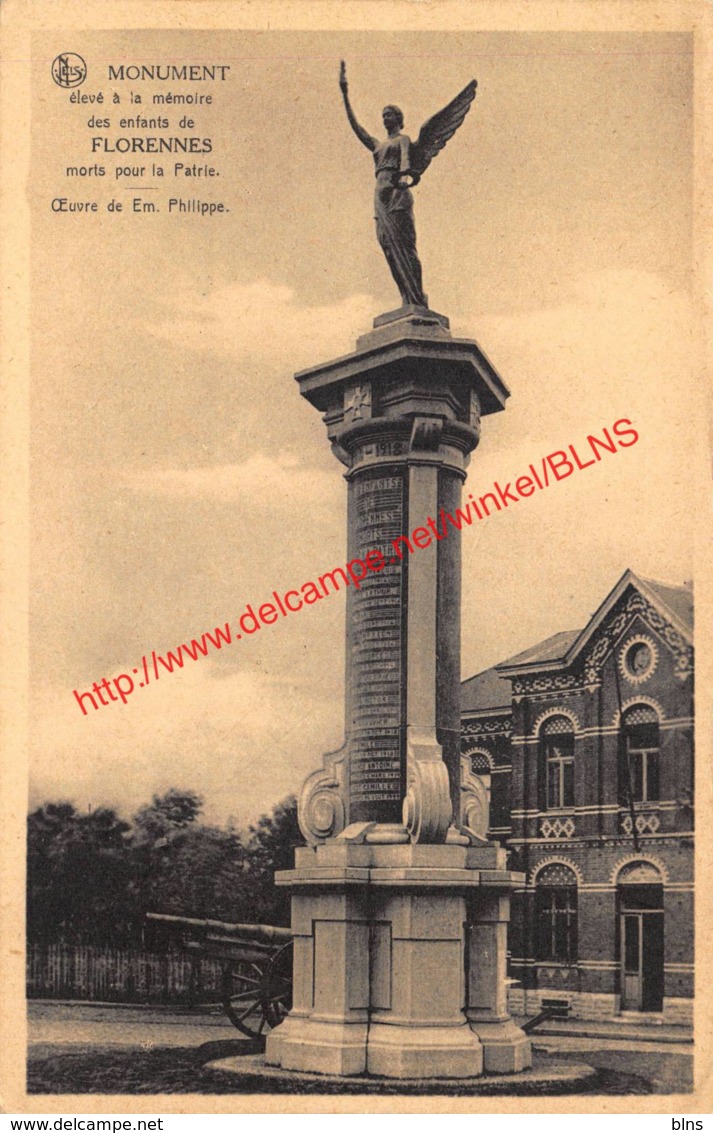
(317, 1046)
(408, 321)
(399, 962)
(506, 1047)
(251, 1075)
(402, 1051)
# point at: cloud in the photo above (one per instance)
(282, 480)
(618, 340)
(620, 344)
(262, 322)
(244, 739)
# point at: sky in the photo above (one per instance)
(177, 474)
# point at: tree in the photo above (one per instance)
(78, 873)
(271, 847)
(184, 867)
(176, 810)
(93, 877)
(198, 872)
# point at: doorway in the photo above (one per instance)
(641, 941)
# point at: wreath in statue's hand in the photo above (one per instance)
(407, 179)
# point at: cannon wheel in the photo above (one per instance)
(244, 995)
(277, 999)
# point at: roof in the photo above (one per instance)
(551, 649)
(673, 602)
(485, 692)
(678, 599)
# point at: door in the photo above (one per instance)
(631, 974)
(642, 954)
(652, 962)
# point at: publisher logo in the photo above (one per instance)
(69, 70)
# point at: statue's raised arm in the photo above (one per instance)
(364, 137)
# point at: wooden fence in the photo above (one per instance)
(120, 975)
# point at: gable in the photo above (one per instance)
(667, 611)
(634, 611)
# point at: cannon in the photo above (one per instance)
(257, 967)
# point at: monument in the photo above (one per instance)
(399, 902)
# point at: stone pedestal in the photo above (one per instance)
(400, 906)
(506, 1048)
(386, 962)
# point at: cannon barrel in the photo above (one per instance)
(262, 932)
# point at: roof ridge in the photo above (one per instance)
(668, 585)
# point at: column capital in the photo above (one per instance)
(417, 369)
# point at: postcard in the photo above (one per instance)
(356, 506)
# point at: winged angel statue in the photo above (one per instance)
(400, 164)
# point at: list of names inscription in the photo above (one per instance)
(376, 764)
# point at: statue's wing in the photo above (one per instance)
(438, 129)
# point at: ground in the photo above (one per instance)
(88, 1049)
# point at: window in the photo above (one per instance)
(481, 764)
(557, 749)
(639, 769)
(556, 912)
(475, 791)
(639, 661)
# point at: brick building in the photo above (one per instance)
(583, 748)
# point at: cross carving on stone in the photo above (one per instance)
(357, 404)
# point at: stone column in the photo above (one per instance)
(403, 414)
(381, 898)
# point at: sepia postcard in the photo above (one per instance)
(356, 506)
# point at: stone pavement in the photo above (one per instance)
(615, 1031)
(81, 1047)
(67, 1023)
(124, 1025)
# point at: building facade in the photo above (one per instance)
(583, 747)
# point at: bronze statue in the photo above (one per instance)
(400, 164)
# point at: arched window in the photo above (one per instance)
(556, 912)
(556, 763)
(639, 873)
(482, 765)
(639, 755)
